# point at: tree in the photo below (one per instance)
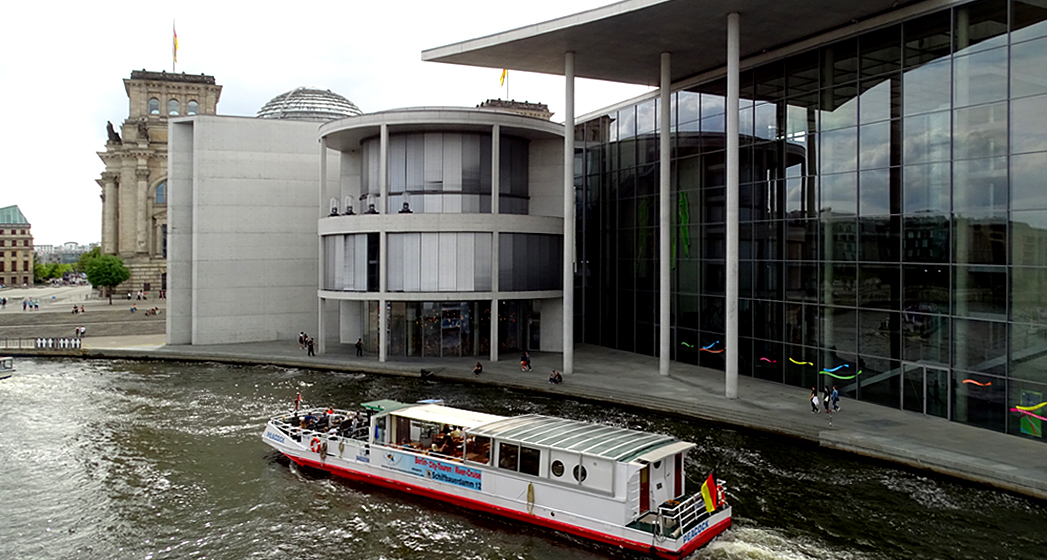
(81, 264)
(107, 271)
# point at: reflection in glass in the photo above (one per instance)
(980, 186)
(980, 78)
(1028, 122)
(1028, 238)
(926, 288)
(926, 138)
(927, 188)
(980, 291)
(1027, 63)
(1028, 182)
(982, 403)
(1028, 20)
(980, 132)
(923, 91)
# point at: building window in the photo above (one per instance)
(154, 106)
(1, 266)
(172, 107)
(161, 193)
(192, 108)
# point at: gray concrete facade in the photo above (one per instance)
(242, 243)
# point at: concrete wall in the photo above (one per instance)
(243, 241)
(551, 311)
(545, 173)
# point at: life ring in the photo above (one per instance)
(314, 445)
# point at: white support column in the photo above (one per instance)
(664, 221)
(383, 190)
(568, 215)
(496, 172)
(733, 49)
(321, 342)
(383, 170)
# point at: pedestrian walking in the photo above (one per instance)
(814, 400)
(301, 340)
(836, 399)
(310, 345)
(359, 347)
(825, 398)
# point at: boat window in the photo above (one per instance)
(529, 460)
(478, 449)
(557, 468)
(579, 473)
(379, 429)
(507, 456)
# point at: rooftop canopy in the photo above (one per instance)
(623, 42)
(10, 215)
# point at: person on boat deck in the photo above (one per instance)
(456, 433)
(448, 447)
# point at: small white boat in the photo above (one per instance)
(613, 485)
(7, 367)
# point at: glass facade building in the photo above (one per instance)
(893, 218)
(457, 218)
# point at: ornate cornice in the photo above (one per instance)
(110, 176)
(142, 174)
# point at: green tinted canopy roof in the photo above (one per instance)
(12, 215)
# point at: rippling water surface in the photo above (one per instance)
(122, 459)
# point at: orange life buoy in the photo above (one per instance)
(314, 445)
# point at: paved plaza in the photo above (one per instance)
(604, 375)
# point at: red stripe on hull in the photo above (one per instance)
(467, 503)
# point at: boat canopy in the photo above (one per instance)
(608, 442)
(435, 413)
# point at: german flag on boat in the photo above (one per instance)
(709, 493)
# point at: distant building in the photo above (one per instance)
(525, 108)
(134, 183)
(16, 248)
(308, 104)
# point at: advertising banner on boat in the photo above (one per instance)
(440, 471)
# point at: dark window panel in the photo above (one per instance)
(925, 289)
(881, 51)
(925, 239)
(879, 286)
(980, 25)
(927, 38)
(1028, 20)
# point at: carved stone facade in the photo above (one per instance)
(134, 183)
(525, 108)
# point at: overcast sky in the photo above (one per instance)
(63, 65)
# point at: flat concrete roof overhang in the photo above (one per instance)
(623, 42)
(346, 134)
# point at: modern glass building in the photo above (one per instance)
(440, 216)
(888, 186)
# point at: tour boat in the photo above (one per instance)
(7, 367)
(613, 485)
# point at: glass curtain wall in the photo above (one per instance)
(442, 329)
(446, 172)
(893, 209)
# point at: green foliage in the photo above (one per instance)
(43, 272)
(107, 271)
(81, 265)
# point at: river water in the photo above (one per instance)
(150, 460)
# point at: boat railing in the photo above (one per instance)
(681, 515)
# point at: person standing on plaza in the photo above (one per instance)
(309, 344)
(836, 399)
(301, 340)
(359, 347)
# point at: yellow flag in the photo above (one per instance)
(505, 74)
(173, 31)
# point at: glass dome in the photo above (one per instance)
(309, 104)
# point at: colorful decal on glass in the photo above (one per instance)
(1030, 423)
(707, 348)
(973, 382)
(768, 360)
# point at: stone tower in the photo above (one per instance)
(134, 183)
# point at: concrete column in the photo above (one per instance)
(496, 185)
(321, 342)
(383, 171)
(321, 332)
(496, 167)
(664, 221)
(109, 213)
(568, 215)
(733, 62)
(494, 329)
(383, 279)
(383, 329)
(142, 223)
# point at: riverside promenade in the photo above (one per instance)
(1008, 462)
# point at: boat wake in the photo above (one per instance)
(753, 543)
